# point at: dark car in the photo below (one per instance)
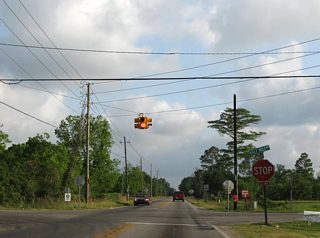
(141, 198)
(178, 195)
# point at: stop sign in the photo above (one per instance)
(263, 170)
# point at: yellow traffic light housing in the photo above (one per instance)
(137, 123)
(142, 122)
(149, 122)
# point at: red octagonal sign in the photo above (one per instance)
(263, 170)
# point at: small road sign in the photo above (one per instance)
(228, 185)
(206, 187)
(263, 170)
(79, 180)
(67, 197)
(259, 150)
(245, 193)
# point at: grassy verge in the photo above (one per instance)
(273, 206)
(298, 229)
(108, 201)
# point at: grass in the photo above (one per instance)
(299, 229)
(273, 206)
(108, 201)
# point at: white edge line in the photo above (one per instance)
(220, 231)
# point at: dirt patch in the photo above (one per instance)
(5, 227)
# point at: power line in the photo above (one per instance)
(140, 156)
(217, 74)
(120, 156)
(164, 78)
(16, 63)
(39, 60)
(232, 59)
(245, 79)
(111, 122)
(61, 53)
(227, 103)
(45, 91)
(51, 57)
(227, 60)
(27, 114)
(48, 37)
(262, 65)
(156, 53)
(141, 87)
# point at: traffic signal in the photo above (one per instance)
(149, 122)
(137, 123)
(142, 122)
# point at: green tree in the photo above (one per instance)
(186, 185)
(303, 177)
(32, 170)
(48, 163)
(304, 165)
(225, 126)
(197, 183)
(216, 166)
(104, 171)
(71, 135)
(4, 139)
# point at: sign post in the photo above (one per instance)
(206, 189)
(245, 194)
(263, 170)
(229, 186)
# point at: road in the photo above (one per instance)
(162, 219)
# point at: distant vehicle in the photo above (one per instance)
(141, 198)
(178, 195)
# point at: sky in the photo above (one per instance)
(224, 38)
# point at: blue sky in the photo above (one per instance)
(177, 139)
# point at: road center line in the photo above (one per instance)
(165, 224)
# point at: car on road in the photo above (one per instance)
(178, 195)
(141, 198)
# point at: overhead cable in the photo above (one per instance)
(166, 78)
(27, 114)
(156, 53)
(226, 103)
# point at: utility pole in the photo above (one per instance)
(235, 144)
(151, 180)
(142, 185)
(88, 145)
(126, 165)
(157, 184)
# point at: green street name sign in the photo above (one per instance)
(259, 150)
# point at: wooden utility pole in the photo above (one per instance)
(151, 180)
(235, 145)
(88, 145)
(157, 184)
(126, 166)
(142, 184)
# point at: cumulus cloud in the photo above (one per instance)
(176, 140)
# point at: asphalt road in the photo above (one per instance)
(162, 219)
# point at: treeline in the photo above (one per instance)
(217, 166)
(39, 169)
(297, 184)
